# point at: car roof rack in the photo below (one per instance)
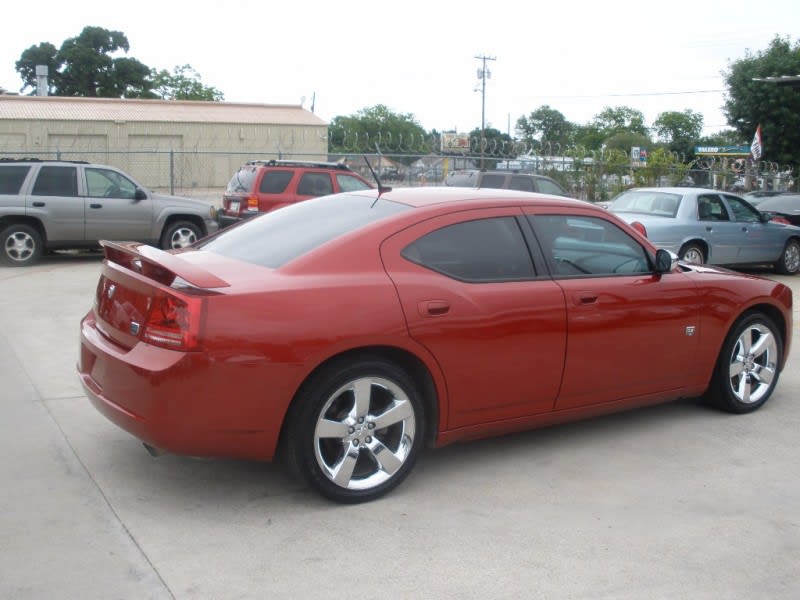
(298, 163)
(41, 160)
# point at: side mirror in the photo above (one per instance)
(764, 217)
(666, 261)
(140, 194)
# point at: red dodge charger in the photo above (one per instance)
(349, 331)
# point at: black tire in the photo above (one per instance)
(351, 451)
(691, 252)
(789, 262)
(180, 234)
(21, 245)
(748, 366)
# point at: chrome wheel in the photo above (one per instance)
(753, 364)
(20, 246)
(364, 433)
(182, 237)
(693, 255)
(789, 264)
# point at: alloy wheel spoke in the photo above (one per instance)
(764, 343)
(385, 458)
(331, 429)
(399, 411)
(743, 391)
(342, 471)
(736, 368)
(362, 391)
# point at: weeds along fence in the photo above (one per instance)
(593, 176)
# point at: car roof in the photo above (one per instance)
(682, 191)
(419, 197)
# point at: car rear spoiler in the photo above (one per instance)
(159, 265)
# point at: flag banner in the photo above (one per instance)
(755, 147)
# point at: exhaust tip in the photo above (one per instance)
(153, 451)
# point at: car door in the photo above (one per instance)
(494, 323)
(758, 241)
(632, 332)
(112, 210)
(55, 199)
(718, 229)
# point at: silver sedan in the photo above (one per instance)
(709, 226)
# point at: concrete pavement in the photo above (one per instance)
(675, 501)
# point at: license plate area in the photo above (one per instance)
(233, 206)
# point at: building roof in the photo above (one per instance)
(60, 108)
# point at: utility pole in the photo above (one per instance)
(483, 75)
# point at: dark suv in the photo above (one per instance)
(260, 186)
(51, 205)
(510, 180)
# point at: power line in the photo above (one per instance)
(638, 94)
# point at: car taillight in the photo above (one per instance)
(173, 322)
(639, 228)
(252, 203)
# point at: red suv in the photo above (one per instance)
(263, 185)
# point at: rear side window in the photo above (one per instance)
(484, 250)
(275, 238)
(242, 180)
(348, 183)
(12, 177)
(315, 184)
(274, 182)
(523, 184)
(56, 181)
(491, 180)
(548, 187)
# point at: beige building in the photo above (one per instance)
(164, 144)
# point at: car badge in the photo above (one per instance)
(690, 330)
(135, 328)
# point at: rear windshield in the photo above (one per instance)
(242, 180)
(661, 204)
(277, 237)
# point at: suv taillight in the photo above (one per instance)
(173, 322)
(640, 228)
(252, 203)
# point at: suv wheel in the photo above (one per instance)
(180, 234)
(22, 245)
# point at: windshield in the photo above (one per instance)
(275, 238)
(242, 180)
(662, 204)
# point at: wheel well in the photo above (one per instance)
(412, 365)
(22, 220)
(775, 315)
(703, 245)
(194, 219)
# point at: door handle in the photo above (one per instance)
(709, 228)
(433, 308)
(95, 206)
(38, 204)
(582, 298)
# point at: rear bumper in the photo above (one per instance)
(226, 220)
(177, 402)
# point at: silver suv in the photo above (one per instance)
(504, 180)
(51, 205)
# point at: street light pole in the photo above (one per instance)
(483, 75)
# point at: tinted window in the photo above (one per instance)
(550, 187)
(522, 183)
(492, 180)
(56, 181)
(742, 211)
(104, 183)
(580, 246)
(275, 182)
(315, 184)
(277, 237)
(348, 183)
(242, 180)
(11, 178)
(477, 251)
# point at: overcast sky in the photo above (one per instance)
(418, 57)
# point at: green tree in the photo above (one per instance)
(378, 127)
(83, 66)
(680, 131)
(776, 108)
(545, 124)
(612, 120)
(42, 54)
(183, 84)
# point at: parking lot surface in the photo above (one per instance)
(674, 501)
